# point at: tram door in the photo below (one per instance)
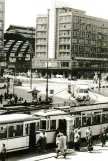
(32, 136)
(62, 125)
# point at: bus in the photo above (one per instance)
(18, 131)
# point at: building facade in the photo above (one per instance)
(80, 42)
(2, 20)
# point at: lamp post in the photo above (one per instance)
(31, 49)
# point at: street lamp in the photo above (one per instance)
(31, 49)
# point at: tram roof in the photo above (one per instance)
(14, 107)
(88, 107)
(52, 112)
(11, 118)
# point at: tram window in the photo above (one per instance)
(77, 122)
(104, 118)
(43, 124)
(37, 126)
(84, 123)
(3, 132)
(52, 124)
(96, 119)
(15, 130)
(88, 119)
(26, 129)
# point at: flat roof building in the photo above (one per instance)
(74, 41)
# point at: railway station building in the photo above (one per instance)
(19, 47)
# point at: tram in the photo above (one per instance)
(94, 116)
(18, 131)
(50, 121)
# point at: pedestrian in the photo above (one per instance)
(44, 142)
(16, 99)
(88, 132)
(5, 96)
(90, 143)
(40, 99)
(1, 98)
(71, 137)
(103, 136)
(3, 152)
(79, 133)
(40, 142)
(76, 141)
(62, 145)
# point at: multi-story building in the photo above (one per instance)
(2, 18)
(80, 42)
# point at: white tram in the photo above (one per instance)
(93, 116)
(50, 121)
(18, 131)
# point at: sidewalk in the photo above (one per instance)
(96, 148)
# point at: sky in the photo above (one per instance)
(24, 12)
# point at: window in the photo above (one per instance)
(96, 119)
(37, 126)
(43, 124)
(52, 124)
(3, 132)
(104, 117)
(15, 130)
(26, 129)
(86, 120)
(84, 123)
(74, 40)
(77, 122)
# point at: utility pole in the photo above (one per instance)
(47, 84)
(31, 67)
(99, 76)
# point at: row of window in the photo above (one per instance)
(64, 40)
(41, 41)
(64, 33)
(65, 10)
(41, 33)
(90, 55)
(41, 47)
(41, 27)
(65, 18)
(64, 47)
(89, 120)
(43, 54)
(42, 20)
(65, 26)
(61, 54)
(88, 20)
(89, 49)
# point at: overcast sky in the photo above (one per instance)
(23, 12)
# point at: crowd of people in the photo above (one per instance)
(14, 99)
(75, 140)
(11, 98)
